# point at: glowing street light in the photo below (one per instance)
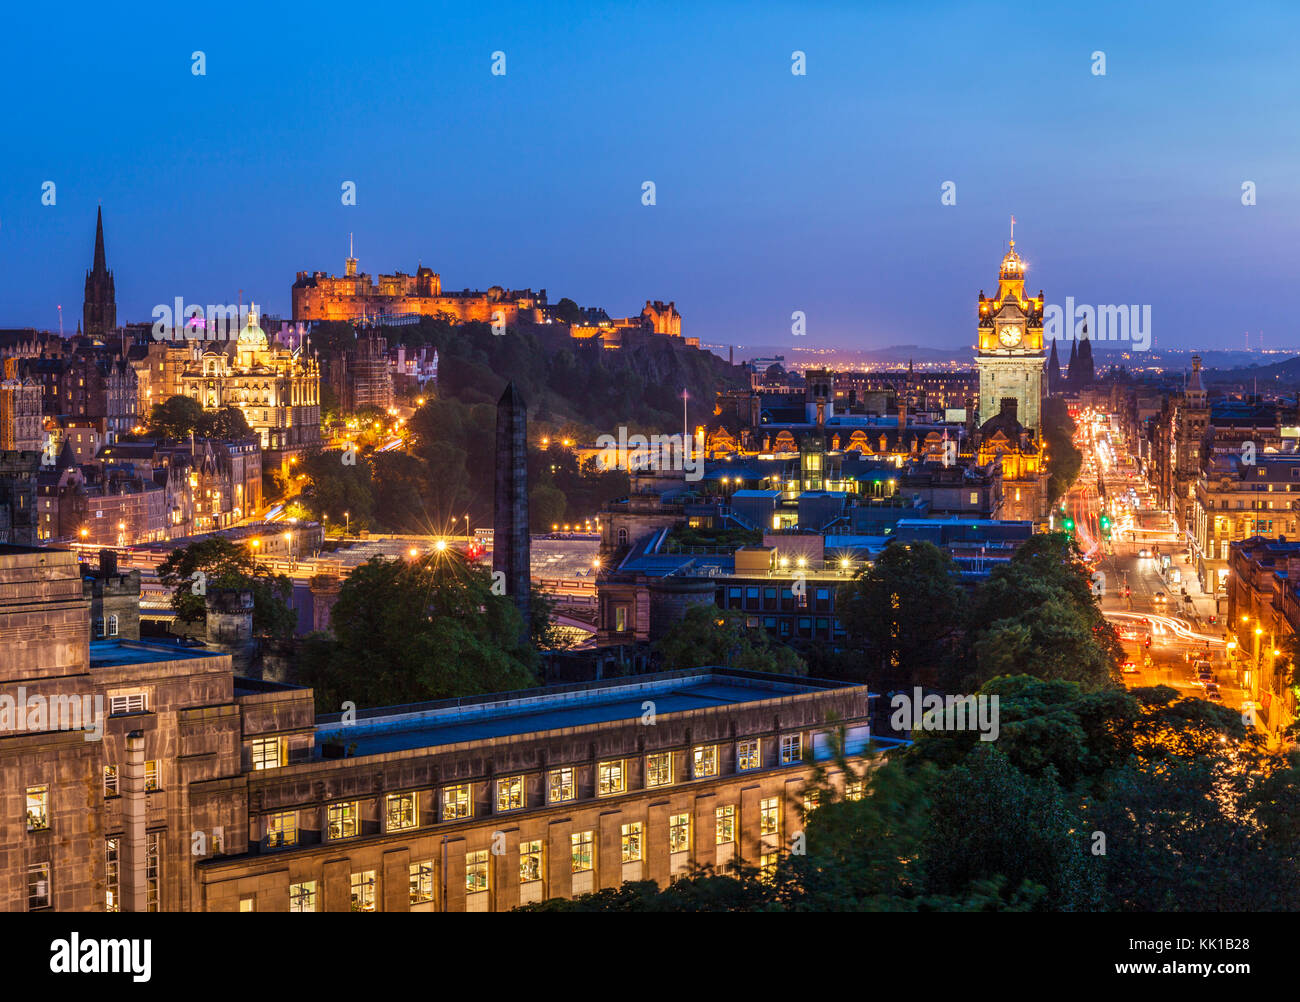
(440, 545)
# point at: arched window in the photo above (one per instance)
(112, 626)
(622, 537)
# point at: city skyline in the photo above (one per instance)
(775, 193)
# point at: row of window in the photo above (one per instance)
(303, 896)
(401, 811)
(38, 797)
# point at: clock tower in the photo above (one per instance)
(1010, 354)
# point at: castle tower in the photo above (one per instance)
(510, 538)
(1009, 354)
(99, 305)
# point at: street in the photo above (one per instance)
(1148, 588)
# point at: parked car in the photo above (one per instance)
(1212, 692)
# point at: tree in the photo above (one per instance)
(904, 612)
(227, 424)
(176, 418)
(1064, 460)
(334, 487)
(567, 311)
(711, 636)
(413, 630)
(215, 563)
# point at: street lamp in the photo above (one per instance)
(440, 545)
(347, 523)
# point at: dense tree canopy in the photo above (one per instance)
(711, 636)
(217, 563)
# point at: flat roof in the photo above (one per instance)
(402, 728)
(112, 653)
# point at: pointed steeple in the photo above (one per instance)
(1072, 371)
(101, 264)
(1053, 371)
(1086, 373)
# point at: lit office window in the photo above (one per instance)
(266, 753)
(725, 817)
(659, 769)
(810, 801)
(530, 861)
(152, 776)
(583, 846)
(38, 885)
(421, 881)
(679, 833)
(152, 871)
(282, 829)
(476, 871)
(748, 754)
(401, 812)
(560, 785)
(632, 842)
(767, 865)
(791, 749)
(510, 794)
(455, 802)
(769, 816)
(110, 781)
(341, 820)
(363, 891)
(854, 790)
(112, 871)
(38, 808)
(611, 778)
(706, 761)
(302, 897)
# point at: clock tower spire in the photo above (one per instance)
(1009, 353)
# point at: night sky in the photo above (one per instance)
(775, 192)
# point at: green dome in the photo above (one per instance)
(252, 335)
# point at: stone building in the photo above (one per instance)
(357, 296)
(21, 410)
(208, 792)
(114, 599)
(99, 306)
(19, 486)
(276, 388)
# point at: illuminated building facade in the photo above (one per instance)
(1010, 353)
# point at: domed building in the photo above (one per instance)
(276, 388)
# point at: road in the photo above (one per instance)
(1144, 573)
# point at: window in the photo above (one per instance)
(455, 802)
(248, 904)
(112, 626)
(611, 778)
(38, 808)
(112, 883)
(152, 872)
(748, 755)
(152, 780)
(281, 829)
(854, 790)
(476, 871)
(791, 749)
(679, 833)
(38, 885)
(769, 816)
(99, 628)
(341, 820)
(530, 861)
(632, 842)
(132, 703)
(974, 497)
(582, 844)
(767, 865)
(620, 613)
(659, 769)
(810, 801)
(706, 761)
(421, 882)
(560, 785)
(725, 823)
(510, 794)
(110, 781)
(401, 812)
(266, 753)
(302, 897)
(363, 891)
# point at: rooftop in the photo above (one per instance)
(114, 653)
(533, 711)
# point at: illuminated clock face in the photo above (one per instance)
(1009, 335)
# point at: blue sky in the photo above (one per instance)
(775, 192)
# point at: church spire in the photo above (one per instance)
(101, 264)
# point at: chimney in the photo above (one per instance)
(133, 846)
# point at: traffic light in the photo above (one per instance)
(1068, 524)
